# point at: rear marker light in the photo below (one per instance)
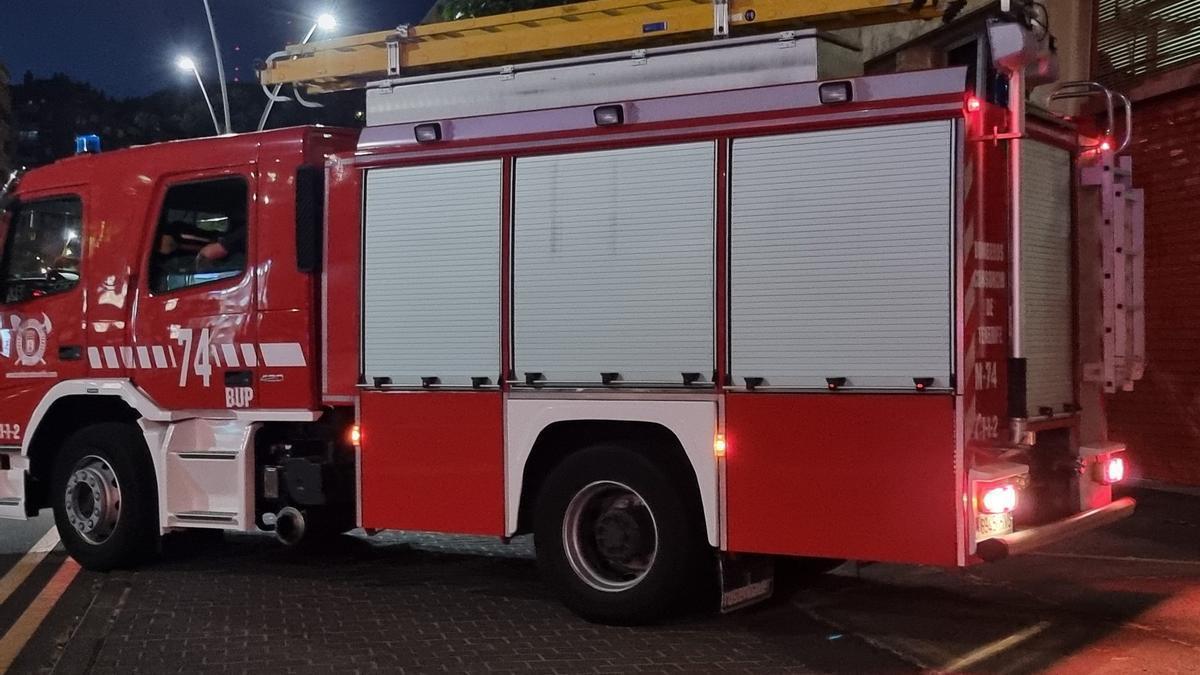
(720, 447)
(1002, 499)
(355, 435)
(836, 92)
(428, 133)
(609, 115)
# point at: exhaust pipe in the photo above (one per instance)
(290, 526)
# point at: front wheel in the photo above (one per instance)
(616, 537)
(104, 497)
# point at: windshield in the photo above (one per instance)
(41, 250)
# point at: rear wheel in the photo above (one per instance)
(616, 537)
(104, 497)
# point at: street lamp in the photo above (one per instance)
(325, 23)
(187, 64)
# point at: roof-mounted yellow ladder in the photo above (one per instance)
(582, 28)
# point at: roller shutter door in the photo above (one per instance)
(841, 257)
(613, 264)
(1046, 266)
(432, 273)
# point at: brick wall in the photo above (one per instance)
(1161, 418)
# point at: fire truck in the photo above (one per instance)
(673, 286)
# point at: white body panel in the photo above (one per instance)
(613, 264)
(1046, 268)
(205, 472)
(203, 459)
(841, 252)
(432, 273)
(694, 423)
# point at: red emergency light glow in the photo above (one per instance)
(355, 435)
(1000, 499)
(1105, 146)
(974, 104)
(720, 446)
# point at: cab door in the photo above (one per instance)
(41, 300)
(194, 343)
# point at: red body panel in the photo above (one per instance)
(867, 477)
(433, 461)
(985, 280)
(341, 316)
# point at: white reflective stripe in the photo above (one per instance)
(127, 356)
(94, 357)
(143, 357)
(160, 356)
(110, 357)
(282, 355)
(230, 354)
(249, 357)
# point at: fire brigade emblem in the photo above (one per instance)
(30, 338)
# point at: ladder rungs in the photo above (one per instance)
(585, 27)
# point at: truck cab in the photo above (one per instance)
(156, 284)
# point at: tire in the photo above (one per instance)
(617, 539)
(105, 498)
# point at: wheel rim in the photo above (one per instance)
(610, 536)
(93, 499)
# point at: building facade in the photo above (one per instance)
(1150, 49)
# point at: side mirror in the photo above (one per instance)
(310, 217)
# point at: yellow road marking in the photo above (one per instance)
(988, 651)
(19, 572)
(18, 636)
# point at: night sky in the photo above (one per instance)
(128, 47)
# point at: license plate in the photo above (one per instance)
(988, 525)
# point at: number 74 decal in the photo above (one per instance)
(200, 362)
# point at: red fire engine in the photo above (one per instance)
(689, 312)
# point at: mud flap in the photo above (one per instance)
(745, 580)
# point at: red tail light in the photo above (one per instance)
(999, 499)
(1110, 470)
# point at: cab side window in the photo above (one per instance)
(42, 248)
(202, 234)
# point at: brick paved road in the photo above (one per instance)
(417, 603)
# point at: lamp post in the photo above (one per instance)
(212, 28)
(186, 63)
(324, 23)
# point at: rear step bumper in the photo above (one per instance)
(999, 548)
